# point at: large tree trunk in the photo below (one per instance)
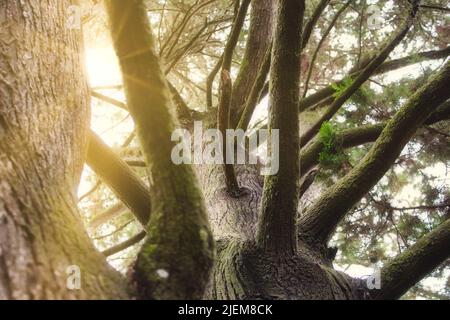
(43, 132)
(242, 270)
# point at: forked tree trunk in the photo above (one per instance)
(242, 271)
(44, 120)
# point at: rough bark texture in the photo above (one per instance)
(245, 271)
(43, 133)
(249, 266)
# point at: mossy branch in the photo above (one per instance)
(255, 92)
(259, 41)
(312, 21)
(276, 228)
(176, 258)
(320, 221)
(415, 263)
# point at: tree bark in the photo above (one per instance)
(276, 229)
(44, 122)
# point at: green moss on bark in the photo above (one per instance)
(176, 258)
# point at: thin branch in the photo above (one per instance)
(136, 163)
(110, 100)
(117, 229)
(108, 87)
(210, 81)
(312, 21)
(225, 60)
(392, 65)
(435, 131)
(91, 191)
(437, 8)
(185, 49)
(124, 245)
(360, 34)
(223, 123)
(319, 45)
(105, 216)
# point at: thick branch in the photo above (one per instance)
(415, 263)
(119, 177)
(258, 42)
(276, 229)
(179, 239)
(320, 221)
(256, 91)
